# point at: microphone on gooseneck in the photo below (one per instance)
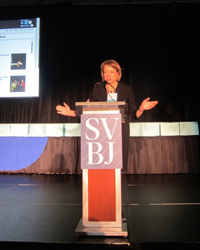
(116, 91)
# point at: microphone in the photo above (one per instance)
(104, 83)
(110, 85)
(116, 91)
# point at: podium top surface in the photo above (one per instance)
(99, 105)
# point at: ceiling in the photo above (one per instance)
(86, 2)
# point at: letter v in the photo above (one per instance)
(109, 134)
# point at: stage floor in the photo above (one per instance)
(162, 211)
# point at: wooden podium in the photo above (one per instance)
(101, 163)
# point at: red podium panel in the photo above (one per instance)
(101, 195)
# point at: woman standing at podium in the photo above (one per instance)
(111, 89)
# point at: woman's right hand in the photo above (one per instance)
(65, 110)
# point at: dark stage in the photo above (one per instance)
(163, 212)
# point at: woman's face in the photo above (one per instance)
(110, 74)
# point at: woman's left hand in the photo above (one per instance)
(147, 105)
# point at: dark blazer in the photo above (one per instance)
(125, 93)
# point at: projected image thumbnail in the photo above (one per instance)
(18, 61)
(17, 83)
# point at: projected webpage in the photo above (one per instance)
(19, 58)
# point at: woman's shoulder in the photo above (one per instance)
(99, 85)
(123, 85)
(98, 92)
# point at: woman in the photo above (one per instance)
(111, 89)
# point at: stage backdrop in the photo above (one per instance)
(157, 46)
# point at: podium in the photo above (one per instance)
(101, 163)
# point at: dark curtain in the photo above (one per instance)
(157, 45)
(163, 155)
(147, 155)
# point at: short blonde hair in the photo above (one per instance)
(113, 64)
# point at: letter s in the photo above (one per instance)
(95, 130)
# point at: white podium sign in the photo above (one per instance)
(101, 141)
